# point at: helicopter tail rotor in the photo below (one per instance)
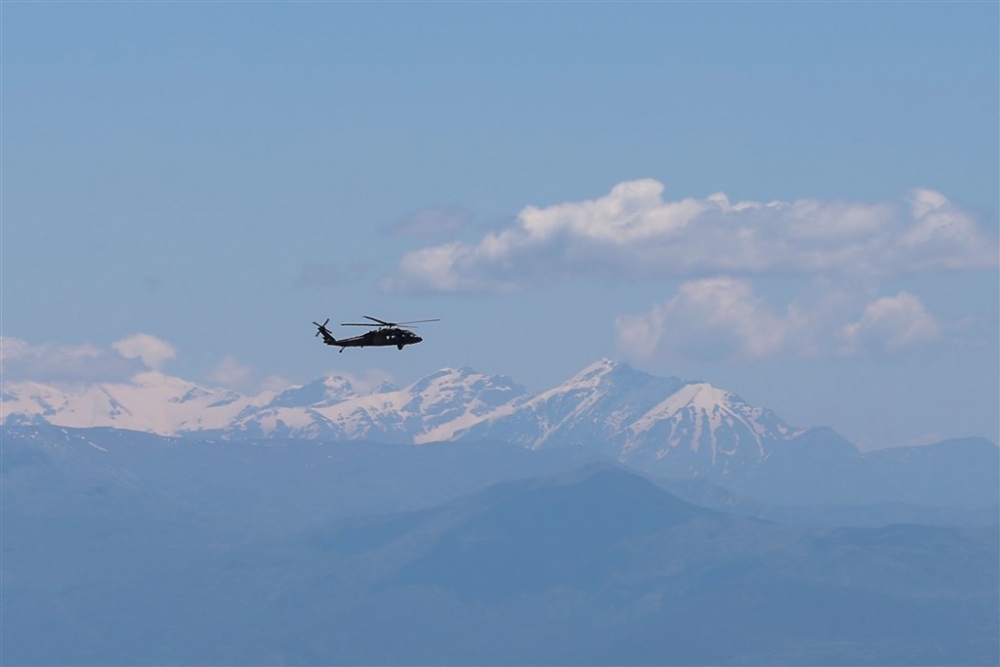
(321, 330)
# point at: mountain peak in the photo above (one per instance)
(705, 430)
(384, 387)
(698, 395)
(321, 391)
(453, 377)
(608, 372)
(594, 371)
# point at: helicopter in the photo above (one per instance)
(383, 333)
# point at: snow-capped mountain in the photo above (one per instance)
(431, 409)
(647, 421)
(701, 429)
(324, 391)
(592, 406)
(150, 402)
(653, 423)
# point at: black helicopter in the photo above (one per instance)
(384, 333)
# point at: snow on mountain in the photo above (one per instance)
(654, 423)
(451, 400)
(150, 402)
(320, 392)
(430, 409)
(592, 406)
(701, 429)
(647, 421)
(31, 398)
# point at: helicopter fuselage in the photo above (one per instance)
(383, 337)
(380, 337)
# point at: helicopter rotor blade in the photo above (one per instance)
(320, 327)
(383, 323)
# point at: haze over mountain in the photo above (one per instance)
(461, 520)
(128, 548)
(608, 401)
(664, 427)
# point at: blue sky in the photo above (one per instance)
(545, 178)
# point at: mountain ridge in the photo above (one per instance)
(607, 402)
(664, 427)
(582, 564)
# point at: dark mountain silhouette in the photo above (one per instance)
(123, 548)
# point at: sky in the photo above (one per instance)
(797, 202)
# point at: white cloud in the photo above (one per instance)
(724, 319)
(707, 319)
(891, 324)
(275, 383)
(943, 236)
(12, 349)
(634, 233)
(452, 267)
(153, 351)
(52, 362)
(231, 373)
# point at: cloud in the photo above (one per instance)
(51, 362)
(634, 233)
(275, 383)
(124, 361)
(707, 319)
(432, 221)
(724, 319)
(231, 373)
(153, 351)
(891, 324)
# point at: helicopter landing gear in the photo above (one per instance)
(399, 346)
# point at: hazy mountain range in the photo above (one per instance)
(125, 548)
(663, 427)
(617, 519)
(606, 400)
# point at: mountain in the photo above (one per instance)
(122, 551)
(525, 536)
(428, 410)
(150, 402)
(592, 406)
(695, 427)
(599, 566)
(327, 408)
(278, 484)
(820, 467)
(664, 427)
(655, 424)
